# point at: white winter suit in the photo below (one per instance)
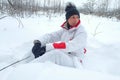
(64, 47)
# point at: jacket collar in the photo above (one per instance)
(64, 25)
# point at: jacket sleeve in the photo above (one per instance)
(78, 42)
(51, 37)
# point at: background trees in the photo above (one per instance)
(22, 8)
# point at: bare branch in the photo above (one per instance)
(10, 3)
(3, 17)
(20, 22)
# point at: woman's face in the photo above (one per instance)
(73, 20)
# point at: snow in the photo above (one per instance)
(55, 72)
(102, 59)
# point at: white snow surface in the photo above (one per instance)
(101, 62)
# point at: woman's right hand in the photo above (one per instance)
(36, 41)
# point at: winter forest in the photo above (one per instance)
(107, 8)
(23, 21)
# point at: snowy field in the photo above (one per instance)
(102, 61)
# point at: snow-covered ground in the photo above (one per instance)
(102, 60)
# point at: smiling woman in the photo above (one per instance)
(63, 46)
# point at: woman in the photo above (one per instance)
(66, 46)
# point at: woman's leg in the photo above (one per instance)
(57, 57)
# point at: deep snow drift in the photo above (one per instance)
(102, 60)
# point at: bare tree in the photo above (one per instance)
(28, 7)
(89, 6)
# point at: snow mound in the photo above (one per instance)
(50, 71)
